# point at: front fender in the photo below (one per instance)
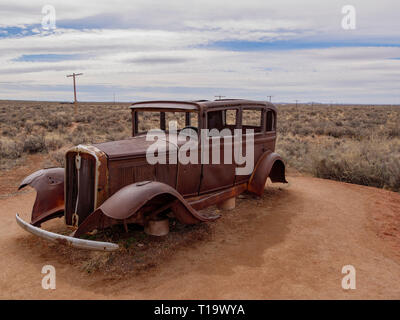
(49, 186)
(140, 202)
(270, 165)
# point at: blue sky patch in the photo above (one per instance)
(240, 45)
(10, 32)
(47, 57)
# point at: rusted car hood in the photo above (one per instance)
(129, 148)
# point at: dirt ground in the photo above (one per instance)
(290, 244)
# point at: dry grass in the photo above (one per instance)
(45, 127)
(356, 144)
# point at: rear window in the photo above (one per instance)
(252, 119)
(270, 121)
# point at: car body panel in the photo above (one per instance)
(141, 202)
(49, 186)
(269, 165)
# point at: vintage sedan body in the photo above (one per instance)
(114, 182)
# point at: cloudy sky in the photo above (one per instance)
(142, 49)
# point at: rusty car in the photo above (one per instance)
(112, 183)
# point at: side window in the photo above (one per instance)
(252, 119)
(230, 118)
(270, 121)
(178, 117)
(215, 120)
(222, 120)
(194, 119)
(147, 121)
(182, 119)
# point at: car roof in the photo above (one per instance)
(199, 104)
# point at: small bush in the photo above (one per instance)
(34, 144)
(10, 132)
(58, 158)
(10, 149)
(53, 143)
(370, 163)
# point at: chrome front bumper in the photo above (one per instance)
(66, 240)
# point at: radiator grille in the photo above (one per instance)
(86, 194)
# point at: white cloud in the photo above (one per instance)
(167, 45)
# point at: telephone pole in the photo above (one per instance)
(73, 76)
(270, 97)
(296, 102)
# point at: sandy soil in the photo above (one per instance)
(290, 243)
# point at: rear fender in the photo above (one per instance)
(139, 203)
(49, 186)
(269, 165)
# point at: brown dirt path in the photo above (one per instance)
(291, 243)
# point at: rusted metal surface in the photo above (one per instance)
(131, 198)
(269, 165)
(49, 186)
(229, 204)
(112, 183)
(138, 202)
(130, 148)
(207, 200)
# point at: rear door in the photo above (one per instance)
(219, 172)
(252, 118)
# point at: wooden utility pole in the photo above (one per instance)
(270, 98)
(75, 101)
(296, 102)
